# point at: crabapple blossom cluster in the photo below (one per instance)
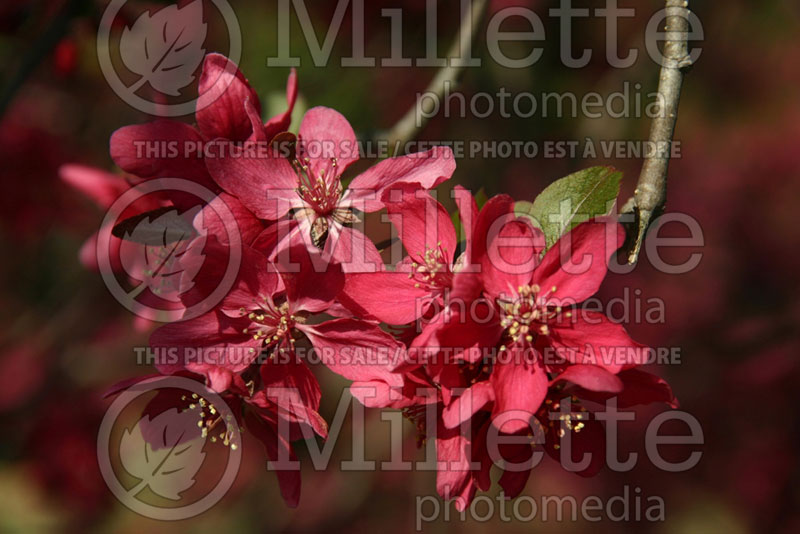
(475, 331)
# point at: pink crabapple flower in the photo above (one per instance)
(478, 442)
(310, 186)
(266, 308)
(228, 109)
(524, 308)
(418, 284)
(152, 264)
(519, 321)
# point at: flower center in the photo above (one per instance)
(211, 422)
(432, 269)
(573, 421)
(272, 324)
(321, 192)
(528, 315)
(477, 371)
(322, 195)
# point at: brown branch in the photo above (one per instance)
(407, 128)
(651, 190)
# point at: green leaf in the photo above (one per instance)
(572, 200)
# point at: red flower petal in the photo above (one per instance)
(172, 147)
(591, 377)
(214, 219)
(496, 208)
(324, 135)
(280, 123)
(519, 390)
(388, 296)
(594, 339)
(454, 479)
(511, 254)
(422, 222)
(471, 400)
(277, 446)
(468, 213)
(467, 329)
(223, 90)
(292, 387)
(356, 350)
(266, 186)
(577, 263)
(181, 341)
(312, 284)
(102, 187)
(513, 481)
(428, 169)
(639, 387)
(353, 250)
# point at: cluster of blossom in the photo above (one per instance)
(489, 295)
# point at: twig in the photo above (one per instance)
(651, 190)
(416, 118)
